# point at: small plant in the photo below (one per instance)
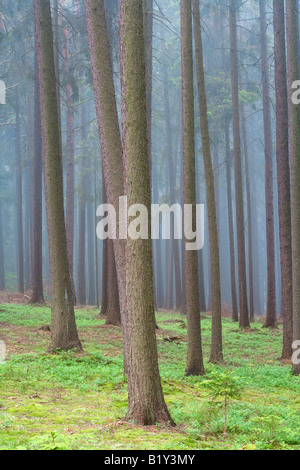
(225, 386)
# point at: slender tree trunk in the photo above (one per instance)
(243, 296)
(249, 214)
(113, 306)
(70, 164)
(146, 402)
(216, 354)
(172, 185)
(292, 19)
(2, 271)
(19, 191)
(64, 332)
(194, 355)
(271, 320)
(283, 178)
(37, 293)
(91, 230)
(235, 315)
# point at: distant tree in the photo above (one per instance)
(194, 354)
(243, 296)
(146, 401)
(37, 282)
(19, 193)
(271, 320)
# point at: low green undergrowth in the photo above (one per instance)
(78, 401)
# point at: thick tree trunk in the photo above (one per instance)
(292, 15)
(283, 178)
(216, 354)
(194, 355)
(271, 320)
(64, 332)
(19, 187)
(243, 296)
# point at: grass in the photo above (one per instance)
(78, 401)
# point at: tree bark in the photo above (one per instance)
(235, 314)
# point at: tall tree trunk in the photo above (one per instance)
(292, 19)
(194, 355)
(235, 314)
(37, 293)
(146, 400)
(249, 214)
(113, 306)
(216, 354)
(243, 296)
(64, 332)
(19, 191)
(271, 320)
(2, 271)
(105, 261)
(283, 177)
(172, 185)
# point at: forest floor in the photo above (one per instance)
(78, 401)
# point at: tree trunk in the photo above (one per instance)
(249, 214)
(64, 332)
(243, 296)
(235, 314)
(292, 15)
(37, 293)
(2, 271)
(271, 320)
(283, 178)
(216, 354)
(81, 294)
(19, 186)
(194, 355)
(146, 400)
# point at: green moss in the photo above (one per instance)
(78, 401)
